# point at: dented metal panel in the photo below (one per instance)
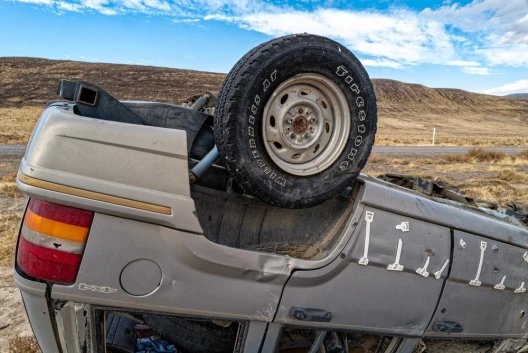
(199, 277)
(396, 199)
(384, 281)
(486, 290)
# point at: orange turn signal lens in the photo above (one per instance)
(55, 228)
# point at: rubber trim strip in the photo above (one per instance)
(93, 195)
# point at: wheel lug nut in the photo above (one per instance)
(300, 110)
(307, 135)
(312, 120)
(292, 136)
(290, 121)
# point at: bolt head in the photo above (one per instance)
(300, 110)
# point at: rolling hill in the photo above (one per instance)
(407, 112)
(517, 96)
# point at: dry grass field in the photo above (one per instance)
(17, 336)
(488, 175)
(18, 123)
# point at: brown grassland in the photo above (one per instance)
(407, 112)
(489, 175)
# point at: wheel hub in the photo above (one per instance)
(306, 124)
(300, 124)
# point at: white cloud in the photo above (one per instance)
(69, 7)
(462, 63)
(520, 86)
(482, 15)
(496, 29)
(38, 2)
(506, 55)
(399, 36)
(100, 6)
(472, 70)
(157, 5)
(481, 33)
(383, 63)
(186, 20)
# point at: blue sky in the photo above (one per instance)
(479, 45)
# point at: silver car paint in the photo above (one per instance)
(141, 163)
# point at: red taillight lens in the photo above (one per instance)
(52, 240)
(48, 264)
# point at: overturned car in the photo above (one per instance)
(153, 227)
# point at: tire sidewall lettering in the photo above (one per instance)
(342, 72)
(357, 134)
(251, 132)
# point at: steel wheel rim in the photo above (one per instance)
(306, 124)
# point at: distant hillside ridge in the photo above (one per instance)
(32, 81)
(403, 109)
(517, 95)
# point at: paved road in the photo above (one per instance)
(12, 151)
(17, 151)
(435, 151)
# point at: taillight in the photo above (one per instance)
(52, 241)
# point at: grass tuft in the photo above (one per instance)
(8, 186)
(8, 236)
(376, 158)
(23, 345)
(523, 155)
(512, 176)
(477, 155)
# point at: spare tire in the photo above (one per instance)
(295, 120)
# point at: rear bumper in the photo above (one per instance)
(38, 312)
(57, 326)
